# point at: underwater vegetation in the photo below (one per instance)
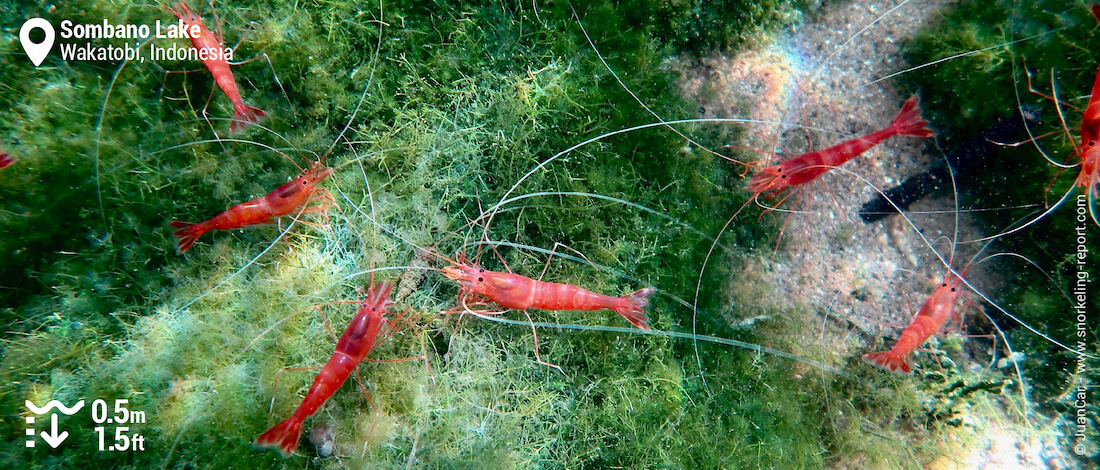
(1025, 49)
(434, 116)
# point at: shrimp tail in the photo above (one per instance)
(243, 116)
(186, 234)
(889, 361)
(909, 121)
(633, 309)
(282, 437)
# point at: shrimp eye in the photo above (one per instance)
(480, 279)
(783, 176)
(481, 270)
(1092, 142)
(952, 289)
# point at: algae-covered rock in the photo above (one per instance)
(509, 132)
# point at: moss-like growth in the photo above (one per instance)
(446, 107)
(1022, 50)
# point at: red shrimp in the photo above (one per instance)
(1090, 119)
(283, 200)
(364, 332)
(1089, 150)
(519, 292)
(6, 160)
(931, 318)
(808, 166)
(215, 61)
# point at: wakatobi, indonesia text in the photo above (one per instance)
(128, 52)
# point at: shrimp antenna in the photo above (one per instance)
(359, 158)
(622, 84)
(965, 282)
(837, 50)
(274, 133)
(373, 213)
(982, 295)
(679, 335)
(285, 319)
(354, 113)
(1062, 200)
(955, 214)
(99, 134)
(950, 58)
(392, 232)
(362, 96)
(492, 209)
(624, 202)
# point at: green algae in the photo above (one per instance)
(1024, 50)
(452, 104)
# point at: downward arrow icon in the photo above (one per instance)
(53, 438)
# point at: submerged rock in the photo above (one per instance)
(323, 439)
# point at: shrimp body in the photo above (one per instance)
(207, 41)
(808, 166)
(520, 292)
(358, 339)
(1090, 120)
(1089, 150)
(931, 318)
(282, 201)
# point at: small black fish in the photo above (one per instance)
(963, 160)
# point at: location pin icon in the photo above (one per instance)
(36, 52)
